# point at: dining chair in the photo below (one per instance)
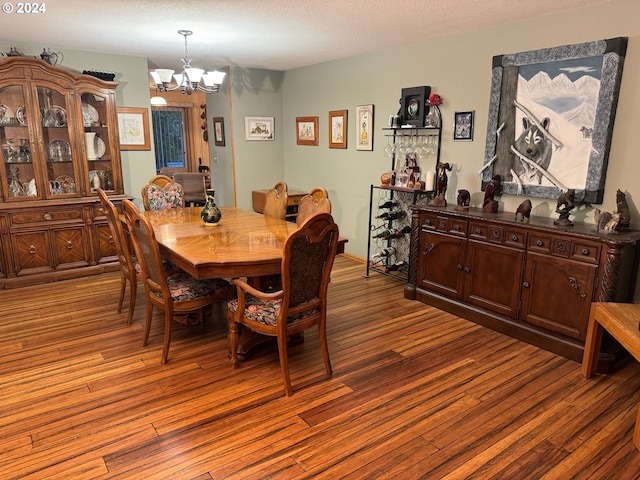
(171, 171)
(307, 259)
(129, 267)
(316, 201)
(177, 293)
(193, 186)
(162, 193)
(275, 202)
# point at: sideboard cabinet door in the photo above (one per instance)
(557, 294)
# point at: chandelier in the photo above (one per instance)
(189, 80)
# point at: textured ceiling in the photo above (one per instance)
(272, 34)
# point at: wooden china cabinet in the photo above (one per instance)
(59, 139)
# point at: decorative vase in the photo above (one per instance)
(210, 214)
(433, 117)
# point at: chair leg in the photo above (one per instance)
(147, 323)
(168, 319)
(123, 286)
(284, 364)
(324, 344)
(233, 339)
(133, 292)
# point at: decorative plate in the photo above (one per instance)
(101, 147)
(67, 183)
(89, 114)
(21, 115)
(59, 151)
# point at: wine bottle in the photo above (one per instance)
(384, 233)
(392, 215)
(385, 252)
(388, 204)
(398, 233)
(396, 266)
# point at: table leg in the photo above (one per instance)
(592, 345)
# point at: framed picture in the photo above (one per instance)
(463, 126)
(364, 127)
(218, 131)
(551, 119)
(258, 128)
(338, 129)
(133, 128)
(307, 131)
(413, 103)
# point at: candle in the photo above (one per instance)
(429, 182)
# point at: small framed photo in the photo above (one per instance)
(364, 127)
(307, 131)
(218, 131)
(413, 103)
(338, 129)
(258, 128)
(463, 126)
(133, 127)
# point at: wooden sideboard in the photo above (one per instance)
(294, 196)
(534, 281)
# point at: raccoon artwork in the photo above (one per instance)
(533, 145)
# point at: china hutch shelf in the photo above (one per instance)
(59, 140)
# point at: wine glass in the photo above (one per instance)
(432, 145)
(388, 149)
(401, 151)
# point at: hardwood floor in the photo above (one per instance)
(416, 393)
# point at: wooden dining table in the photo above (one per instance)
(242, 244)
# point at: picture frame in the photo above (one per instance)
(364, 127)
(307, 131)
(218, 131)
(133, 128)
(463, 126)
(338, 129)
(259, 128)
(413, 102)
(530, 92)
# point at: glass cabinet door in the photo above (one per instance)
(18, 174)
(97, 140)
(57, 143)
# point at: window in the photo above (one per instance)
(169, 137)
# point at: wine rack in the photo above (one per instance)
(389, 254)
(390, 227)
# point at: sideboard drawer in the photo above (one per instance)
(585, 251)
(45, 215)
(515, 237)
(539, 242)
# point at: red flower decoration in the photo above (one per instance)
(435, 99)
